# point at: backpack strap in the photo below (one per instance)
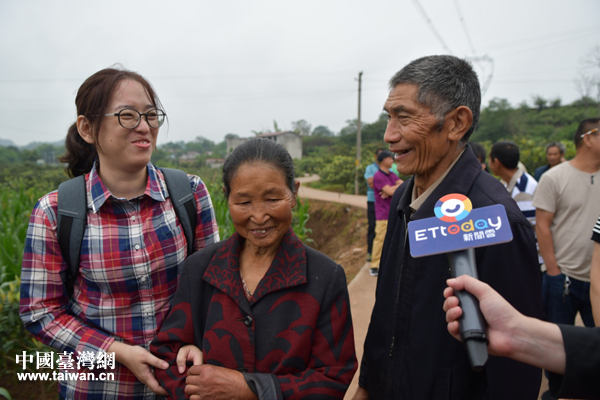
(72, 217)
(72, 220)
(184, 203)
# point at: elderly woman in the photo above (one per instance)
(271, 316)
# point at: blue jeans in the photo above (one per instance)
(562, 309)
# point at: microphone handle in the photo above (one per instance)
(472, 323)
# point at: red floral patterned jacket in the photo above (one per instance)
(292, 340)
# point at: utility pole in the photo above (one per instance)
(358, 139)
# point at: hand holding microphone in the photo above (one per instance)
(457, 229)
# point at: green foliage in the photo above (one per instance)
(499, 121)
(221, 208)
(15, 339)
(43, 178)
(322, 130)
(4, 393)
(311, 165)
(341, 171)
(300, 219)
(16, 204)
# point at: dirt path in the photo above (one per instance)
(315, 194)
(362, 286)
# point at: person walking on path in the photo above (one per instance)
(369, 173)
(385, 184)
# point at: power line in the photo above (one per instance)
(424, 14)
(464, 25)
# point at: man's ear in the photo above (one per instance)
(459, 122)
(85, 129)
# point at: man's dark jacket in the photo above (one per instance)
(409, 353)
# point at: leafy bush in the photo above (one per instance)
(341, 170)
(311, 165)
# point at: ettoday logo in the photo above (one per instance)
(453, 207)
(457, 226)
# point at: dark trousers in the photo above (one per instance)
(562, 308)
(371, 231)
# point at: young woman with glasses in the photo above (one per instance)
(132, 250)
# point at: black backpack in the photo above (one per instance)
(72, 217)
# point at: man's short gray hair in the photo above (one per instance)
(561, 147)
(445, 83)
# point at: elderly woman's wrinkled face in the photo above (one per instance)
(260, 204)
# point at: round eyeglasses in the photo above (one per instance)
(130, 118)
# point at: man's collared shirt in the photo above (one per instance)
(416, 202)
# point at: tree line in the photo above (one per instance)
(332, 155)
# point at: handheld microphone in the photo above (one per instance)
(472, 323)
(452, 233)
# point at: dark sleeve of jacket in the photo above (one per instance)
(512, 269)
(179, 328)
(582, 372)
(333, 357)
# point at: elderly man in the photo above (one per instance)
(433, 107)
(555, 152)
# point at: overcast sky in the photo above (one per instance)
(234, 66)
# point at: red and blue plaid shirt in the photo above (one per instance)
(131, 257)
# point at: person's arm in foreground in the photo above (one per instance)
(595, 284)
(570, 352)
(543, 220)
(510, 333)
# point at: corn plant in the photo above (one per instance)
(15, 339)
(299, 221)
(16, 203)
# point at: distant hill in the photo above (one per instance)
(32, 145)
(7, 143)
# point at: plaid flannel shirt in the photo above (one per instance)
(131, 257)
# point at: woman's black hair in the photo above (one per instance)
(262, 151)
(91, 101)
